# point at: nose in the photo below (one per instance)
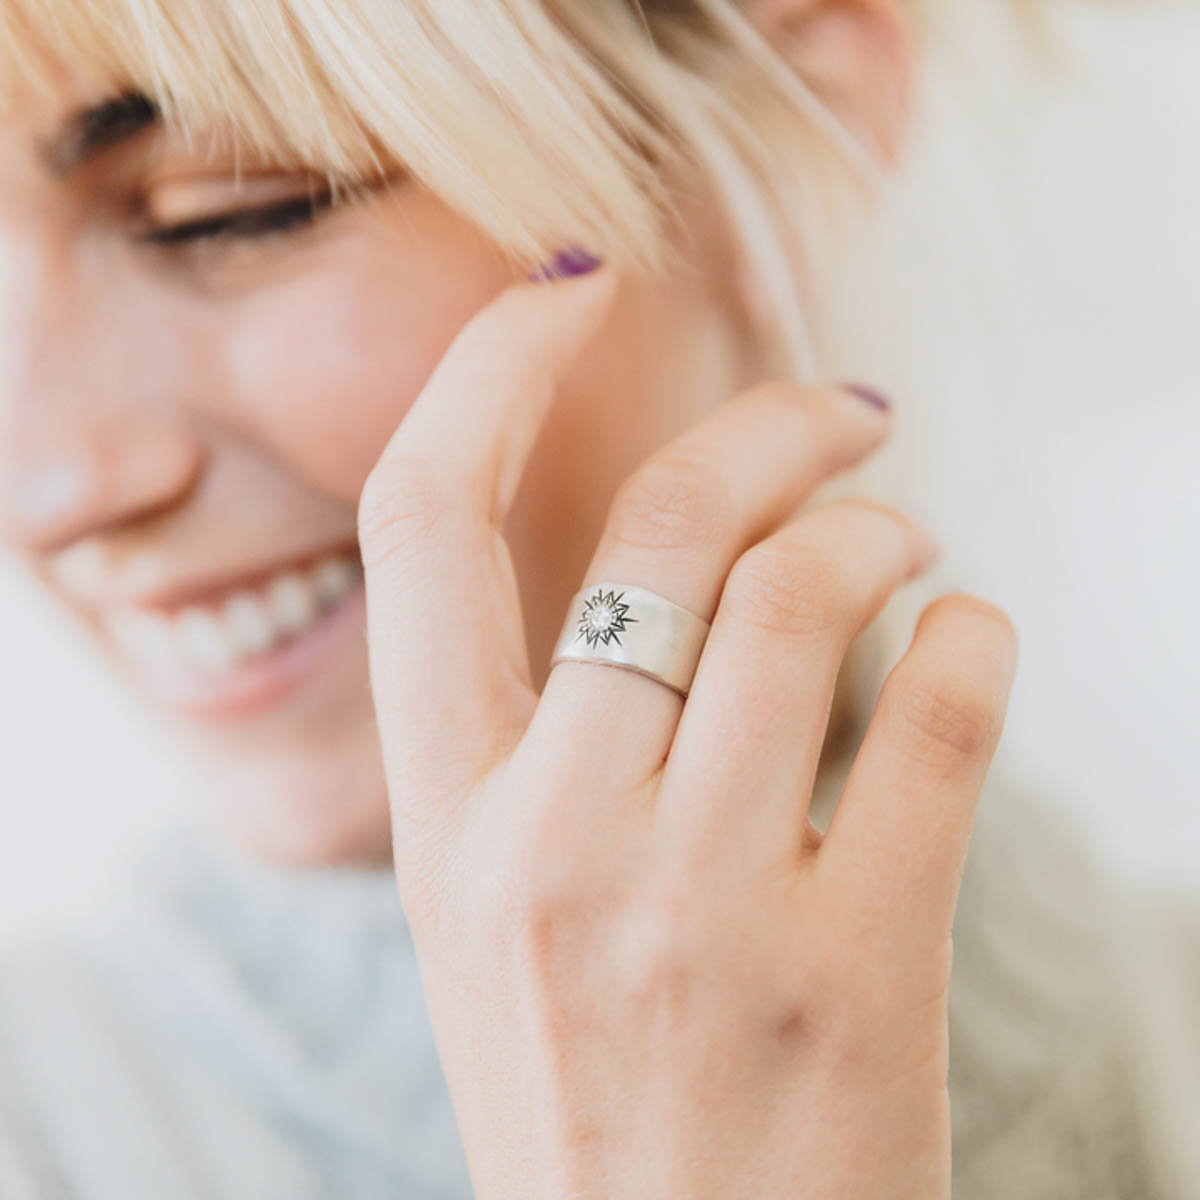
(87, 437)
(74, 480)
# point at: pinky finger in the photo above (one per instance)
(897, 844)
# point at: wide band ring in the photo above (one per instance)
(623, 625)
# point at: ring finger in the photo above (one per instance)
(676, 527)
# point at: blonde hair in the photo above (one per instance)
(544, 122)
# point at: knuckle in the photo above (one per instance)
(671, 501)
(669, 927)
(537, 905)
(827, 1007)
(799, 589)
(543, 927)
(949, 719)
(534, 912)
(535, 893)
(400, 506)
(664, 959)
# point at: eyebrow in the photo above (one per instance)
(87, 132)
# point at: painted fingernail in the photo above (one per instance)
(870, 395)
(565, 264)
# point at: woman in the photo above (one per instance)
(267, 324)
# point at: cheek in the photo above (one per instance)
(323, 368)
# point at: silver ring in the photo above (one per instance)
(623, 625)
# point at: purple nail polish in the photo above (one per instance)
(565, 264)
(870, 395)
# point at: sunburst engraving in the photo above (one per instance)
(604, 618)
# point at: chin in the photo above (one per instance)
(314, 795)
(312, 831)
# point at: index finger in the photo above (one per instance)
(448, 661)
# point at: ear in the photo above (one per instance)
(858, 56)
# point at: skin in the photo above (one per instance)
(698, 995)
(185, 437)
(200, 443)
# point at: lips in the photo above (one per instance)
(243, 646)
(238, 624)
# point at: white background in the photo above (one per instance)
(1041, 280)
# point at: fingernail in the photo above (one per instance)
(565, 264)
(870, 395)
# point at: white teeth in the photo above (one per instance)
(333, 578)
(201, 640)
(291, 601)
(248, 624)
(147, 636)
(245, 624)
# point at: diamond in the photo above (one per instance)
(604, 617)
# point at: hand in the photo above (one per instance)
(647, 973)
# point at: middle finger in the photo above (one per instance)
(745, 756)
(676, 527)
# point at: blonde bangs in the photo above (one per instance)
(492, 104)
(546, 123)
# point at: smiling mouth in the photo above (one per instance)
(236, 650)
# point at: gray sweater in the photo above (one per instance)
(225, 1030)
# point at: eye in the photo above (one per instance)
(244, 223)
